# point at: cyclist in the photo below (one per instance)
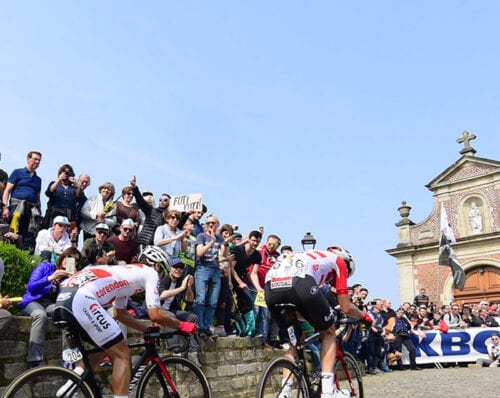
(84, 296)
(299, 279)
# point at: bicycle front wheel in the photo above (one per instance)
(48, 382)
(282, 378)
(348, 376)
(187, 380)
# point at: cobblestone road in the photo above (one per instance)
(430, 383)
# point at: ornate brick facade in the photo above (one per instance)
(468, 183)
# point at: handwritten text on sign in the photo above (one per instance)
(188, 202)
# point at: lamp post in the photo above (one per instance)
(308, 241)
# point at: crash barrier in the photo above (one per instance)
(457, 345)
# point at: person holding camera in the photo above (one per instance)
(63, 195)
(493, 359)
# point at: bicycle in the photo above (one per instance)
(152, 376)
(304, 384)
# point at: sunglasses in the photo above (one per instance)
(174, 217)
(127, 229)
(62, 225)
(164, 200)
(128, 193)
(178, 266)
(101, 231)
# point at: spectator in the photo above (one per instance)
(421, 298)
(195, 217)
(39, 300)
(5, 304)
(207, 275)
(153, 215)
(225, 300)
(493, 359)
(466, 315)
(244, 256)
(402, 330)
(83, 182)
(375, 341)
(176, 293)
(170, 238)
(126, 247)
(63, 195)
(126, 209)
(484, 320)
(265, 326)
(286, 250)
(98, 241)
(5, 315)
(453, 318)
(21, 199)
(188, 256)
(99, 209)
(423, 319)
(50, 243)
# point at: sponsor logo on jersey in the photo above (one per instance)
(64, 296)
(97, 318)
(111, 287)
(277, 283)
(330, 316)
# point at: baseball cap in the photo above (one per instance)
(102, 226)
(60, 220)
(484, 303)
(128, 222)
(147, 193)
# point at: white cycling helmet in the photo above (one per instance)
(346, 256)
(152, 255)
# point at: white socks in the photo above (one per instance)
(327, 382)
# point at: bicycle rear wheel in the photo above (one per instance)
(48, 382)
(188, 380)
(272, 383)
(348, 376)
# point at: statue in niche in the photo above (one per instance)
(475, 218)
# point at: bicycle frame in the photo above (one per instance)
(150, 354)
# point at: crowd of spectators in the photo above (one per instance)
(380, 346)
(216, 272)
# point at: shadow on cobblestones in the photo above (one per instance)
(430, 383)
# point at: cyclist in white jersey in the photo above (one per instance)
(87, 292)
(299, 279)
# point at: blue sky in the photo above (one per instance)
(319, 116)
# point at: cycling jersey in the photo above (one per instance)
(323, 266)
(86, 293)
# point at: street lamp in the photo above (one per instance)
(308, 242)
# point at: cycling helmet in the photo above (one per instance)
(152, 255)
(346, 256)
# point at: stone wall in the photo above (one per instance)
(232, 365)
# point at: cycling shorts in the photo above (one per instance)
(307, 297)
(94, 323)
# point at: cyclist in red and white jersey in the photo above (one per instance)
(299, 279)
(85, 294)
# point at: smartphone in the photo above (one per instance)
(70, 265)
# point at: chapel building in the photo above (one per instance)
(469, 189)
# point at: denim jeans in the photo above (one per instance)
(207, 286)
(39, 311)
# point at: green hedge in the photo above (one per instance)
(18, 267)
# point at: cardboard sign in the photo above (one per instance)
(260, 300)
(188, 202)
